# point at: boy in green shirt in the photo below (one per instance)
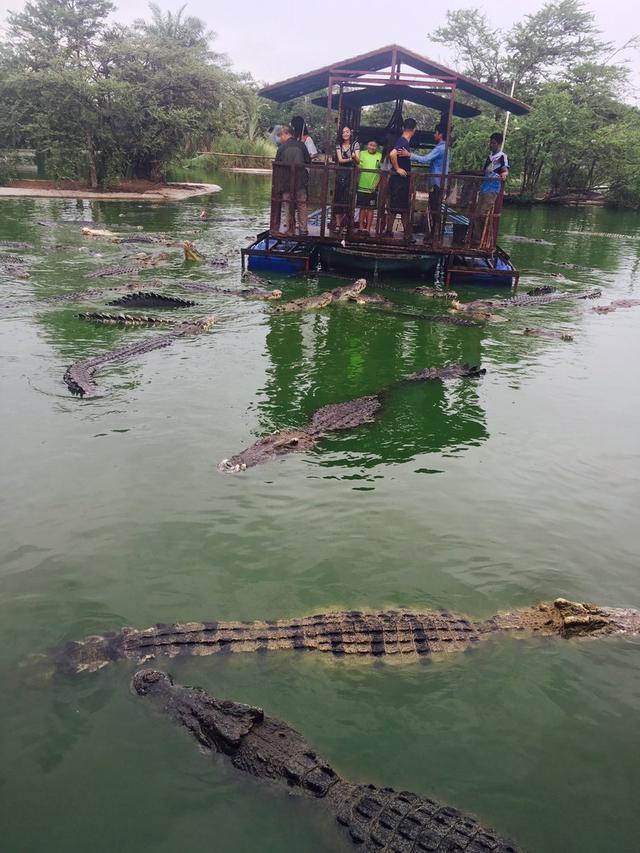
(368, 180)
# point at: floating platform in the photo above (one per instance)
(283, 256)
(497, 270)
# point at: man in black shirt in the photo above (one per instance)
(399, 183)
(291, 180)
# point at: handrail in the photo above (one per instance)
(442, 212)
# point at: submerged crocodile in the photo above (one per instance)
(331, 418)
(94, 293)
(15, 244)
(107, 272)
(525, 300)
(534, 332)
(124, 319)
(386, 633)
(79, 376)
(427, 292)
(617, 303)
(374, 819)
(150, 299)
(243, 292)
(449, 371)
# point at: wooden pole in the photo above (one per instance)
(508, 116)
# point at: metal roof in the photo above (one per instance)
(378, 60)
(382, 94)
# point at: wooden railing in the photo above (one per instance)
(440, 212)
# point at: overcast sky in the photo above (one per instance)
(278, 40)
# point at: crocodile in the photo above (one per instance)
(247, 275)
(12, 260)
(340, 294)
(15, 244)
(244, 292)
(516, 238)
(524, 301)
(617, 303)
(151, 299)
(79, 376)
(372, 818)
(331, 418)
(107, 272)
(194, 255)
(542, 290)
(124, 319)
(371, 299)
(305, 303)
(613, 236)
(452, 319)
(427, 292)
(449, 371)
(534, 332)
(95, 293)
(434, 293)
(396, 634)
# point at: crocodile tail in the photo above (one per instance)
(384, 819)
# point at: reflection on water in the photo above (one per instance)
(113, 513)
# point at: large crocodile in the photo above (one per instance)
(306, 303)
(524, 301)
(243, 292)
(331, 418)
(374, 819)
(150, 299)
(79, 376)
(393, 633)
(339, 416)
(195, 255)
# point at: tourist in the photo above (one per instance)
(399, 182)
(347, 158)
(368, 181)
(496, 172)
(292, 182)
(437, 170)
(301, 132)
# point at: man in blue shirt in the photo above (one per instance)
(496, 172)
(437, 169)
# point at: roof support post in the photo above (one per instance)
(444, 183)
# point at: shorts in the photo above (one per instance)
(398, 193)
(365, 199)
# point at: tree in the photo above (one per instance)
(540, 48)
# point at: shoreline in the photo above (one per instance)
(164, 192)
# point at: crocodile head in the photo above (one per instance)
(275, 294)
(267, 448)
(191, 253)
(219, 725)
(350, 290)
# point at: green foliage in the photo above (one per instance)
(8, 167)
(113, 102)
(555, 60)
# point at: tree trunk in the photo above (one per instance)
(93, 168)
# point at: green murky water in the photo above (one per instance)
(470, 496)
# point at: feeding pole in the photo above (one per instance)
(508, 116)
